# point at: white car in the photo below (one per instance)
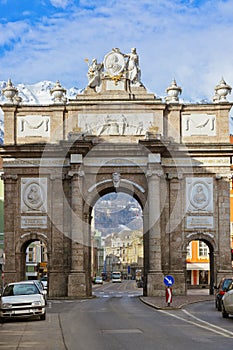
(98, 280)
(227, 303)
(44, 281)
(22, 299)
(40, 286)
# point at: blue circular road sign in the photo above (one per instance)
(168, 281)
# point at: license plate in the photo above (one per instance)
(18, 312)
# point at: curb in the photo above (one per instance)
(172, 307)
(159, 307)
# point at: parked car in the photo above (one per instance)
(22, 300)
(98, 280)
(44, 280)
(227, 302)
(221, 289)
(41, 287)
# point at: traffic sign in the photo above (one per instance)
(168, 281)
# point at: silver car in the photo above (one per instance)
(227, 302)
(22, 299)
(40, 286)
(44, 281)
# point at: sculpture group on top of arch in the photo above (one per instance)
(116, 65)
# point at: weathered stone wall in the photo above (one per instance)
(179, 148)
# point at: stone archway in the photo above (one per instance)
(213, 255)
(133, 189)
(174, 157)
(20, 251)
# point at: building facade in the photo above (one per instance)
(173, 158)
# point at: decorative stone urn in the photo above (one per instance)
(58, 93)
(11, 93)
(173, 91)
(221, 92)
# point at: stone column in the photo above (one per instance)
(57, 277)
(224, 267)
(11, 267)
(177, 259)
(155, 286)
(77, 277)
(87, 252)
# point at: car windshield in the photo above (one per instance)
(20, 289)
(226, 284)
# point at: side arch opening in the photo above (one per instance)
(200, 265)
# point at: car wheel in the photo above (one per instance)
(224, 313)
(2, 320)
(43, 317)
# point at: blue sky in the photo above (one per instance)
(189, 40)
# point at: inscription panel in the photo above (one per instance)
(199, 222)
(33, 221)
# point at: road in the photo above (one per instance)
(116, 319)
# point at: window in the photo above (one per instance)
(189, 251)
(203, 250)
(31, 254)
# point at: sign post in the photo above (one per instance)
(168, 281)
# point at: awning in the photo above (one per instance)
(198, 266)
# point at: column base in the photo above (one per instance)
(155, 285)
(77, 285)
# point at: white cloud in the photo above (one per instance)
(61, 3)
(173, 39)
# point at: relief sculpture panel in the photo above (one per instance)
(199, 194)
(116, 124)
(33, 195)
(33, 125)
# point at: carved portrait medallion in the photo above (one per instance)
(33, 195)
(199, 194)
(114, 63)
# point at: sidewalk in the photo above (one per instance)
(193, 296)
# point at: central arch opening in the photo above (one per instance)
(117, 239)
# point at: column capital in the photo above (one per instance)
(171, 176)
(157, 172)
(79, 173)
(12, 177)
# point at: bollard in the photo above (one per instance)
(168, 296)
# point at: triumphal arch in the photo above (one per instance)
(60, 158)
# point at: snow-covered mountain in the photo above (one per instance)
(38, 93)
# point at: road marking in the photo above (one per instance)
(208, 327)
(121, 331)
(205, 322)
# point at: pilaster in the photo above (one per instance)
(57, 276)
(77, 277)
(10, 224)
(155, 275)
